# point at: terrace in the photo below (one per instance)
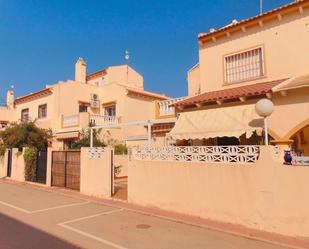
(164, 108)
(83, 120)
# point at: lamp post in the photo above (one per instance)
(91, 137)
(264, 108)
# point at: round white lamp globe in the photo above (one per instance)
(264, 107)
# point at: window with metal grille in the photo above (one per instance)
(244, 66)
(42, 111)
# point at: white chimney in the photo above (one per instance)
(10, 98)
(80, 70)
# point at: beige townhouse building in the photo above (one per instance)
(109, 97)
(264, 56)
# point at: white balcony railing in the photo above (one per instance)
(103, 120)
(164, 106)
(70, 120)
(209, 154)
(136, 137)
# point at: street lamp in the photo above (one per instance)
(264, 108)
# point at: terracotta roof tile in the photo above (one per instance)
(288, 6)
(96, 74)
(33, 95)
(230, 93)
(135, 91)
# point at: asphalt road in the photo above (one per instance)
(33, 217)
(17, 235)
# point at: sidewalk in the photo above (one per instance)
(185, 219)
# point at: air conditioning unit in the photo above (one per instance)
(95, 102)
(94, 96)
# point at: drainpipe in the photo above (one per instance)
(149, 132)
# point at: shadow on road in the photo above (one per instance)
(17, 235)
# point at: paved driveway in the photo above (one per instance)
(62, 220)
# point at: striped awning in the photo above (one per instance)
(67, 135)
(293, 83)
(162, 127)
(230, 121)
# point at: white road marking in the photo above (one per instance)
(61, 206)
(89, 235)
(102, 203)
(92, 216)
(15, 207)
(106, 242)
(44, 209)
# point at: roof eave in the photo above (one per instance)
(33, 95)
(204, 37)
(146, 94)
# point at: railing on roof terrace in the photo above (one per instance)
(164, 106)
(208, 154)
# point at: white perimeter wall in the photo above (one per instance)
(265, 195)
(95, 173)
(4, 164)
(18, 165)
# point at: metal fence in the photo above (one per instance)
(66, 169)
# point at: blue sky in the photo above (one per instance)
(40, 40)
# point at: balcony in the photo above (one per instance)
(165, 109)
(70, 121)
(98, 120)
(83, 119)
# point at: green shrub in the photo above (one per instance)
(2, 149)
(84, 140)
(25, 134)
(112, 142)
(117, 170)
(30, 156)
(121, 149)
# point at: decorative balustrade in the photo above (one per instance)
(103, 120)
(164, 106)
(95, 152)
(209, 154)
(70, 120)
(300, 160)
